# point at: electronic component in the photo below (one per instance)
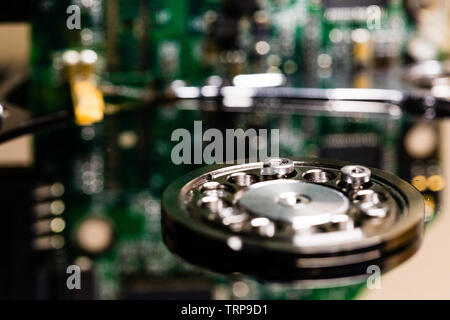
(88, 103)
(94, 235)
(421, 140)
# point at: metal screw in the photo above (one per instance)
(371, 203)
(355, 175)
(277, 166)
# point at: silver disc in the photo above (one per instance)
(294, 201)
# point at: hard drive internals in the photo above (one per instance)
(117, 170)
(308, 219)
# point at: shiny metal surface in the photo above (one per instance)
(294, 201)
(308, 226)
(277, 166)
(354, 175)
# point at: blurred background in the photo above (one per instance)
(91, 91)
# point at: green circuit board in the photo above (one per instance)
(148, 44)
(117, 169)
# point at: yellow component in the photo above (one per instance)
(362, 80)
(362, 48)
(420, 182)
(430, 206)
(88, 102)
(362, 52)
(435, 183)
